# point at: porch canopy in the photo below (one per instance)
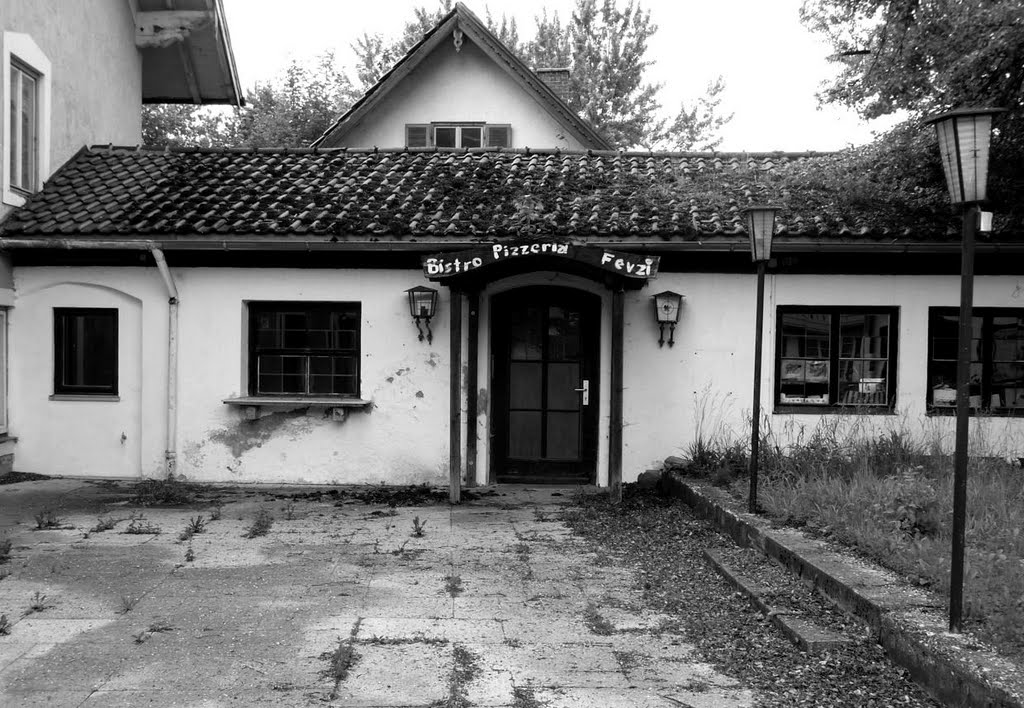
(468, 270)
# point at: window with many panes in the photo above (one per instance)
(85, 351)
(836, 357)
(997, 359)
(304, 348)
(457, 135)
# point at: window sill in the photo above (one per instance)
(950, 412)
(85, 397)
(834, 410)
(339, 407)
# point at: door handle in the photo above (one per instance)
(585, 391)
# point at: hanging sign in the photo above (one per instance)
(629, 265)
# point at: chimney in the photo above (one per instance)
(557, 80)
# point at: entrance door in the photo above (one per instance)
(546, 345)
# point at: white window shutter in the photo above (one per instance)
(498, 136)
(417, 136)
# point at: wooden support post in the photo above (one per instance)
(473, 329)
(615, 431)
(455, 393)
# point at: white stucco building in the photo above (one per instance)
(239, 315)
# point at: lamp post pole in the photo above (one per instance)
(963, 137)
(963, 411)
(760, 224)
(755, 423)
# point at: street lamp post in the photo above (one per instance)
(760, 225)
(963, 145)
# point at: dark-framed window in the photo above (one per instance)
(997, 359)
(304, 349)
(458, 135)
(836, 357)
(85, 351)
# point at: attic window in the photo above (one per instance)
(458, 135)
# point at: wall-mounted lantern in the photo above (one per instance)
(667, 305)
(422, 306)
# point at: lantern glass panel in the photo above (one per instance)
(667, 305)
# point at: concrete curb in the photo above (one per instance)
(907, 622)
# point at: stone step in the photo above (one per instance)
(803, 632)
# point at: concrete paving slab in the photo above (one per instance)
(253, 619)
(43, 698)
(373, 680)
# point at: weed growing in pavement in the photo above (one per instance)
(340, 660)
(466, 668)
(453, 585)
(164, 492)
(524, 697)
(48, 519)
(128, 604)
(595, 622)
(512, 642)
(140, 525)
(217, 511)
(190, 555)
(5, 550)
(104, 523)
(289, 510)
(38, 603)
(4, 572)
(5, 625)
(155, 628)
(628, 660)
(260, 525)
(196, 524)
(417, 527)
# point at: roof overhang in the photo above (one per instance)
(186, 52)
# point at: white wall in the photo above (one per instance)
(403, 439)
(703, 383)
(84, 438)
(96, 70)
(460, 86)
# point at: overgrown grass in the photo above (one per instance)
(164, 492)
(890, 497)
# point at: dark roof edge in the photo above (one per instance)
(782, 154)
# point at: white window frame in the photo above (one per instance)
(431, 129)
(20, 50)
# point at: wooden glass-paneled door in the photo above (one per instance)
(545, 342)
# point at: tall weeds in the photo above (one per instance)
(889, 495)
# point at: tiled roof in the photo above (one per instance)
(437, 196)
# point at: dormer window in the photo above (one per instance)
(458, 135)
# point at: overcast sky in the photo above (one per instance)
(771, 64)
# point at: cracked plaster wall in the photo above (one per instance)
(402, 439)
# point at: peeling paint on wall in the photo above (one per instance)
(419, 394)
(249, 434)
(482, 400)
(433, 359)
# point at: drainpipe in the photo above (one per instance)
(170, 453)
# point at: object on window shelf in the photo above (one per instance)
(944, 397)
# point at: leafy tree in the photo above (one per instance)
(165, 125)
(922, 55)
(927, 56)
(297, 107)
(292, 110)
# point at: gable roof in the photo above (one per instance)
(413, 198)
(461, 18)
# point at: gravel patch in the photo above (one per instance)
(662, 542)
